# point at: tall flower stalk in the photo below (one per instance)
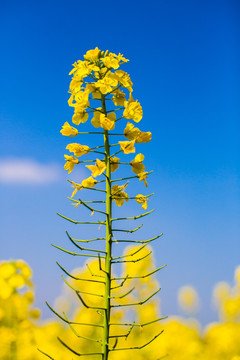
(98, 89)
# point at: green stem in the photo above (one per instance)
(107, 306)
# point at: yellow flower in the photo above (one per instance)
(100, 73)
(89, 182)
(231, 308)
(127, 146)
(141, 199)
(133, 110)
(124, 79)
(142, 177)
(111, 61)
(86, 183)
(29, 296)
(78, 149)
(221, 292)
(68, 130)
(91, 88)
(188, 299)
(76, 84)
(16, 281)
(76, 188)
(122, 58)
(119, 97)
(137, 165)
(144, 137)
(118, 195)
(70, 162)
(108, 122)
(114, 164)
(96, 118)
(106, 84)
(6, 270)
(133, 133)
(97, 169)
(92, 55)
(5, 289)
(80, 116)
(80, 70)
(34, 314)
(24, 268)
(80, 98)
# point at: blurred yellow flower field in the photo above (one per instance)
(22, 331)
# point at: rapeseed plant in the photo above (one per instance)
(100, 90)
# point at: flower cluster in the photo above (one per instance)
(98, 84)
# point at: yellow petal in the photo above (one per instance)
(68, 130)
(108, 122)
(114, 164)
(144, 137)
(96, 118)
(139, 158)
(80, 117)
(127, 146)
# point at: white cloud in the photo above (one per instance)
(28, 171)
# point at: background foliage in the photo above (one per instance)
(22, 331)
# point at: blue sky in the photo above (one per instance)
(184, 64)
